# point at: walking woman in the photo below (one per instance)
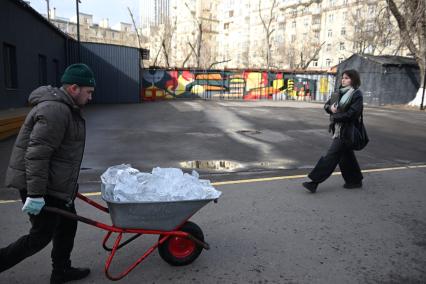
(345, 108)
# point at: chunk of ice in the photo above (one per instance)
(122, 183)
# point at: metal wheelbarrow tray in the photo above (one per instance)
(161, 216)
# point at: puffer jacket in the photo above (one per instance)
(350, 116)
(48, 151)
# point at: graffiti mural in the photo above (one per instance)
(158, 84)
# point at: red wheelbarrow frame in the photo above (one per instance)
(121, 231)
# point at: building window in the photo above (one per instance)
(388, 42)
(231, 13)
(293, 24)
(345, 15)
(340, 59)
(343, 31)
(330, 18)
(293, 38)
(226, 26)
(345, 2)
(328, 62)
(42, 70)
(328, 47)
(358, 12)
(315, 63)
(317, 35)
(56, 77)
(330, 33)
(342, 46)
(10, 68)
(281, 26)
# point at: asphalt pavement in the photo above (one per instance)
(265, 228)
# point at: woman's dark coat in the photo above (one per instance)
(348, 117)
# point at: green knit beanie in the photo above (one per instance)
(79, 74)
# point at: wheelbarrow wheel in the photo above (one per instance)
(179, 251)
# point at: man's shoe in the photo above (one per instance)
(69, 274)
(352, 185)
(311, 186)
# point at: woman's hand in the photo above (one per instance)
(333, 108)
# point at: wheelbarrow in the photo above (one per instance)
(180, 241)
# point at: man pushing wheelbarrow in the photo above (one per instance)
(44, 168)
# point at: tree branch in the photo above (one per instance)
(218, 62)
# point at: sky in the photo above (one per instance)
(115, 10)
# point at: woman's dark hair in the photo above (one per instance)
(354, 75)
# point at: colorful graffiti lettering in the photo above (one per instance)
(213, 84)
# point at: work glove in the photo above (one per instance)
(33, 205)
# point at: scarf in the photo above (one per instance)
(346, 96)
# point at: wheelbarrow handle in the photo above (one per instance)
(83, 219)
(93, 203)
(70, 215)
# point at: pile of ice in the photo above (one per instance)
(123, 183)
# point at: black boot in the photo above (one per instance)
(68, 274)
(311, 186)
(353, 185)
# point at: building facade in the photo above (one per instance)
(293, 34)
(120, 34)
(314, 34)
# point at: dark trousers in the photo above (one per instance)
(45, 227)
(337, 154)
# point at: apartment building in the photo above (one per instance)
(329, 31)
(120, 34)
(315, 34)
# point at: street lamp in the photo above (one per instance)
(48, 10)
(78, 30)
(423, 95)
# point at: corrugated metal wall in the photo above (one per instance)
(116, 68)
(39, 52)
(383, 84)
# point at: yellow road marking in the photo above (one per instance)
(264, 179)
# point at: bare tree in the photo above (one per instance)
(137, 34)
(300, 53)
(308, 54)
(166, 30)
(267, 22)
(188, 56)
(411, 19)
(373, 30)
(219, 62)
(196, 48)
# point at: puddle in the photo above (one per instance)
(211, 165)
(225, 165)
